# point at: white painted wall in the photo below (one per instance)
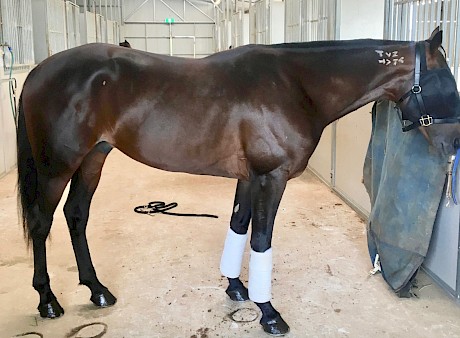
(361, 19)
(358, 19)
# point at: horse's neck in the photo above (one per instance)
(340, 80)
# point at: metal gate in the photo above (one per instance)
(310, 20)
(72, 15)
(415, 20)
(259, 22)
(17, 32)
(99, 21)
(56, 26)
(237, 28)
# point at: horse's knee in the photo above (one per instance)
(240, 219)
(240, 226)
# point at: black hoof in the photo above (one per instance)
(51, 310)
(276, 326)
(238, 295)
(104, 299)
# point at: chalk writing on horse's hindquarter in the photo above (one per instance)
(254, 113)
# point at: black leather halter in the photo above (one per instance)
(425, 119)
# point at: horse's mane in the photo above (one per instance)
(310, 46)
(337, 43)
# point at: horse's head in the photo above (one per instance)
(433, 102)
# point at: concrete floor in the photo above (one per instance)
(165, 270)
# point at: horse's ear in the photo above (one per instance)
(435, 39)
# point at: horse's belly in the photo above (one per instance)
(219, 159)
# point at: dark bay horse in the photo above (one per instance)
(254, 113)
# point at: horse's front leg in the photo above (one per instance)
(237, 235)
(266, 193)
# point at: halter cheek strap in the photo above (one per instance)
(425, 119)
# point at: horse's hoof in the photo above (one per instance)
(238, 295)
(104, 299)
(51, 310)
(276, 326)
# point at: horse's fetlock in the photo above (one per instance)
(94, 285)
(43, 288)
(268, 312)
(86, 283)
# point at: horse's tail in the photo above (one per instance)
(27, 174)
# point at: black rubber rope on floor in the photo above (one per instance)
(159, 207)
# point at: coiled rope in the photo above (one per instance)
(159, 207)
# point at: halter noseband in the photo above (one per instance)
(425, 119)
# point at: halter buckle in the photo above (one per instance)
(416, 89)
(426, 120)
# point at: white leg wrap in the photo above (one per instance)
(260, 276)
(232, 256)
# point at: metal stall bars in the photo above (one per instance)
(55, 27)
(55, 21)
(16, 16)
(72, 18)
(16, 33)
(238, 24)
(259, 22)
(310, 20)
(266, 21)
(100, 20)
(415, 20)
(110, 20)
(223, 22)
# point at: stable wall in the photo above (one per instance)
(7, 126)
(191, 35)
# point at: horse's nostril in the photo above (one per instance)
(457, 143)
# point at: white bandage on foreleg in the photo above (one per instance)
(260, 276)
(232, 256)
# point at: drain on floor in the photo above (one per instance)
(94, 330)
(244, 315)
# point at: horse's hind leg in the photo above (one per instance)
(41, 219)
(83, 185)
(235, 242)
